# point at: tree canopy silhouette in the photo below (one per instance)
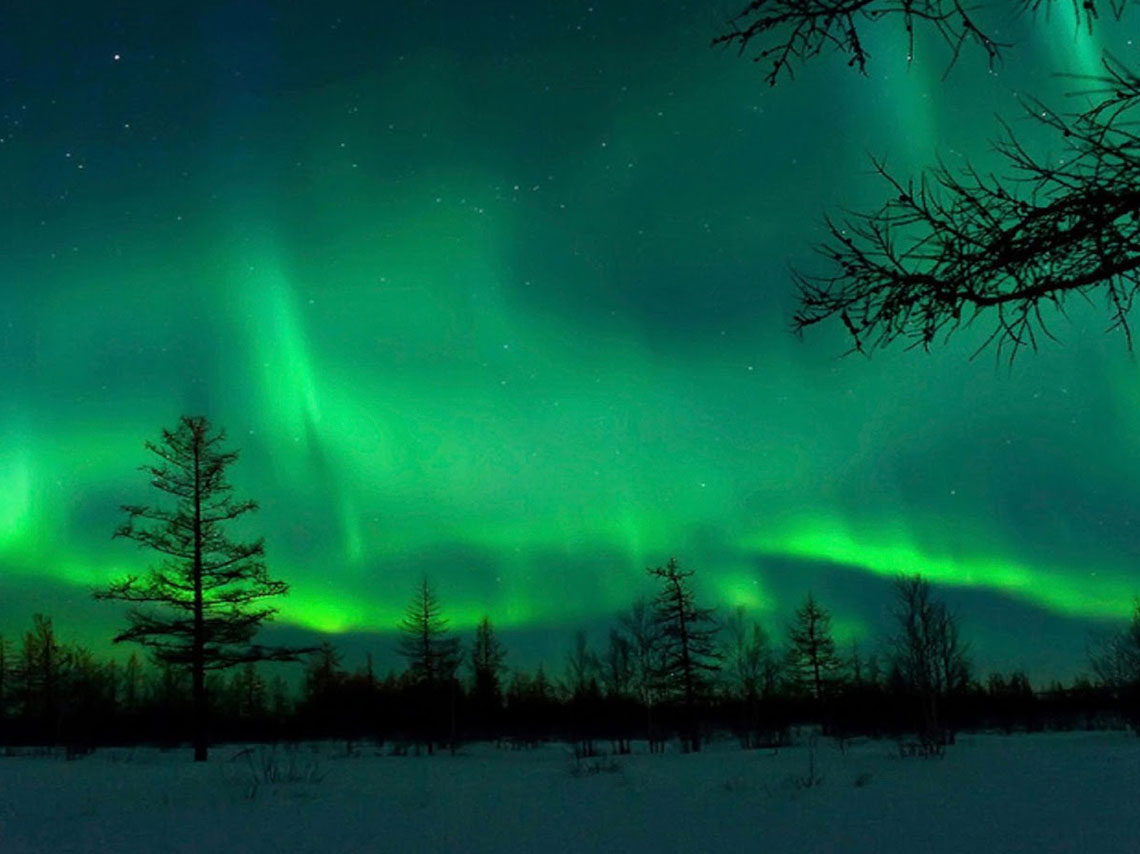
(954, 246)
(487, 659)
(433, 654)
(202, 605)
(781, 34)
(426, 643)
(688, 652)
(927, 655)
(813, 663)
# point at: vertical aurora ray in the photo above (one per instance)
(906, 93)
(1074, 48)
(281, 367)
(17, 517)
(299, 420)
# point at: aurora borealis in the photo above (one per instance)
(498, 293)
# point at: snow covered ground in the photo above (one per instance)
(1043, 793)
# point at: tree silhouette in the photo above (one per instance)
(41, 673)
(248, 693)
(781, 34)
(1115, 661)
(432, 654)
(643, 634)
(814, 666)
(132, 683)
(582, 667)
(5, 684)
(584, 695)
(950, 248)
(323, 691)
(955, 246)
(689, 656)
(748, 674)
(94, 702)
(784, 33)
(928, 654)
(747, 657)
(618, 681)
(323, 672)
(202, 605)
(618, 667)
(425, 641)
(487, 657)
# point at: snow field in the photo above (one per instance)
(1072, 792)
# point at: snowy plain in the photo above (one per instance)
(1073, 792)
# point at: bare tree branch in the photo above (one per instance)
(782, 34)
(952, 247)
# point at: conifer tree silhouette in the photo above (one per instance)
(5, 684)
(43, 670)
(486, 659)
(432, 654)
(200, 607)
(951, 246)
(814, 666)
(689, 655)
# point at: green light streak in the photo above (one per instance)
(17, 497)
(890, 550)
(281, 362)
(1074, 48)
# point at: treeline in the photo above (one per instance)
(668, 670)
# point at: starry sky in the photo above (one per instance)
(498, 293)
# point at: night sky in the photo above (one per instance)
(499, 293)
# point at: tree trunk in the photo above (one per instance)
(690, 738)
(198, 664)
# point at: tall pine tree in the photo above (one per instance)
(426, 643)
(200, 607)
(42, 673)
(5, 667)
(687, 647)
(487, 657)
(433, 655)
(814, 666)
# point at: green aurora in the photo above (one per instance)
(501, 296)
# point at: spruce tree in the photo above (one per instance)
(487, 657)
(200, 607)
(814, 665)
(425, 641)
(5, 666)
(323, 674)
(249, 694)
(433, 655)
(687, 646)
(41, 673)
